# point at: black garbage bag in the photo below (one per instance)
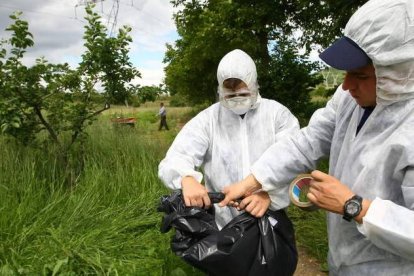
(191, 224)
(245, 246)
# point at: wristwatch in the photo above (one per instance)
(352, 207)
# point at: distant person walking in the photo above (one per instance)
(163, 114)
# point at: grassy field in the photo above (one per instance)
(107, 224)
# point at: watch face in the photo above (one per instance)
(352, 207)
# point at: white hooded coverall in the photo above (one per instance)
(223, 144)
(378, 162)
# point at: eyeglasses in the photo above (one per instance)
(243, 92)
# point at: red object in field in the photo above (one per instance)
(124, 121)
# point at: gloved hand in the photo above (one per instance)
(194, 193)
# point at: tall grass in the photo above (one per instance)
(311, 235)
(311, 229)
(107, 224)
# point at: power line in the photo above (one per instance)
(112, 17)
(114, 14)
(147, 13)
(39, 12)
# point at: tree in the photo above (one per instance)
(322, 21)
(149, 93)
(291, 81)
(106, 59)
(209, 29)
(54, 99)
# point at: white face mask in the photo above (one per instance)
(239, 102)
(239, 105)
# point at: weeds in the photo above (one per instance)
(107, 224)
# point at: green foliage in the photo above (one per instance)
(107, 225)
(146, 117)
(178, 100)
(149, 93)
(320, 91)
(134, 101)
(142, 94)
(52, 102)
(106, 59)
(265, 30)
(310, 227)
(53, 98)
(332, 77)
(321, 21)
(210, 29)
(291, 81)
(311, 233)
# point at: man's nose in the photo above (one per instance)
(348, 83)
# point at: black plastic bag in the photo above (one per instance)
(245, 246)
(191, 224)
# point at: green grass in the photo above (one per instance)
(310, 228)
(107, 224)
(310, 231)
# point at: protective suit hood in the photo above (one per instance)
(384, 29)
(238, 64)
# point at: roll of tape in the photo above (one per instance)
(298, 190)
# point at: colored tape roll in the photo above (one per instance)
(298, 190)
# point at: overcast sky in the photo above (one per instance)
(57, 27)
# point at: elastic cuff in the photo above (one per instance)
(265, 186)
(371, 210)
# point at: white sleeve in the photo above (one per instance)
(391, 226)
(288, 124)
(186, 153)
(299, 153)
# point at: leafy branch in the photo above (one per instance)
(57, 100)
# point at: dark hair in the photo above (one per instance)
(231, 83)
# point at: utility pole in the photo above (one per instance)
(112, 16)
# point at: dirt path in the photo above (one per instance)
(308, 266)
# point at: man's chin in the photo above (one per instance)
(367, 105)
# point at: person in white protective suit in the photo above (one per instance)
(225, 139)
(371, 155)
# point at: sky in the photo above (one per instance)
(57, 27)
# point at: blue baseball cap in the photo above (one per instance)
(345, 54)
